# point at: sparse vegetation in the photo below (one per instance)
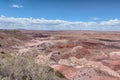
(59, 74)
(0, 45)
(2, 52)
(20, 68)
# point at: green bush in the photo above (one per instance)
(2, 52)
(0, 45)
(59, 74)
(19, 68)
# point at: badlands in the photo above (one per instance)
(65, 55)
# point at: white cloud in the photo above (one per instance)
(16, 6)
(112, 22)
(2, 16)
(45, 24)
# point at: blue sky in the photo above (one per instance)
(85, 11)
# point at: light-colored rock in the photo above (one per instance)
(72, 61)
(97, 55)
(78, 63)
(55, 55)
(114, 55)
(79, 52)
(42, 59)
(76, 49)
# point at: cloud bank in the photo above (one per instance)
(45, 24)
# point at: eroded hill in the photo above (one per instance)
(74, 55)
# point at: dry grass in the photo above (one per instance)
(20, 68)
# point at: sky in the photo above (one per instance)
(60, 14)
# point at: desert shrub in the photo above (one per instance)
(19, 68)
(59, 74)
(2, 52)
(0, 45)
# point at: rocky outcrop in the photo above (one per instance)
(67, 71)
(113, 61)
(78, 52)
(81, 63)
(83, 73)
(113, 64)
(93, 45)
(97, 55)
(114, 55)
(89, 73)
(42, 59)
(55, 56)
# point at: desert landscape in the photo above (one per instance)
(59, 55)
(59, 39)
